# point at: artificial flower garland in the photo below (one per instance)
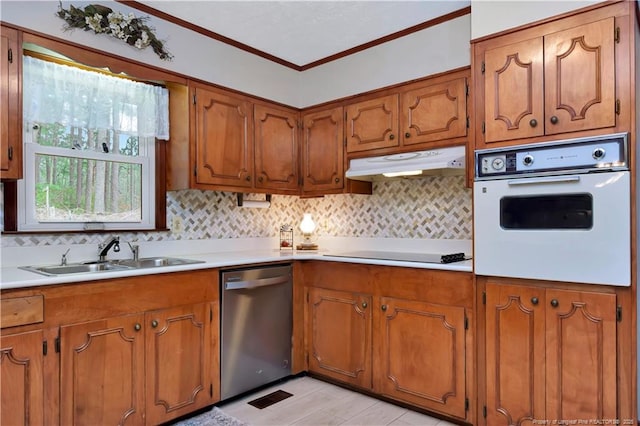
(103, 20)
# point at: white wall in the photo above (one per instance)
(194, 55)
(430, 51)
(490, 16)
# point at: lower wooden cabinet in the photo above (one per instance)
(339, 330)
(121, 370)
(22, 379)
(421, 354)
(395, 342)
(550, 354)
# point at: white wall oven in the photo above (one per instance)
(554, 211)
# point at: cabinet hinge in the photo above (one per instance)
(466, 404)
(484, 297)
(617, 106)
(307, 297)
(10, 56)
(57, 344)
(210, 315)
(466, 90)
(483, 127)
(619, 313)
(345, 115)
(10, 153)
(306, 356)
(194, 99)
(44, 348)
(466, 323)
(345, 142)
(484, 411)
(616, 35)
(211, 390)
(467, 121)
(195, 170)
(482, 67)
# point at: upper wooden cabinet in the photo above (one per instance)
(550, 354)
(276, 149)
(415, 117)
(323, 151)
(10, 105)
(222, 127)
(565, 76)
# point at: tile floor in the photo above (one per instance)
(315, 402)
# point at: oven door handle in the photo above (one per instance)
(543, 180)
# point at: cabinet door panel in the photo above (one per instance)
(322, 151)
(224, 142)
(10, 105)
(514, 99)
(276, 149)
(339, 329)
(435, 112)
(422, 355)
(22, 386)
(515, 333)
(102, 372)
(581, 355)
(372, 124)
(580, 78)
(178, 381)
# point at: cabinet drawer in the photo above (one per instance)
(21, 311)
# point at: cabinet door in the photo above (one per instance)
(10, 105)
(372, 124)
(224, 140)
(435, 112)
(339, 330)
(178, 353)
(515, 344)
(581, 355)
(276, 149)
(513, 90)
(22, 385)
(421, 354)
(102, 372)
(580, 78)
(323, 151)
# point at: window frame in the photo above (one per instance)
(99, 59)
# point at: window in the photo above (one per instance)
(89, 141)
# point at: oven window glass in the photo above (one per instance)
(562, 211)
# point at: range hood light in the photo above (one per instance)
(399, 174)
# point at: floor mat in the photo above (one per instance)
(270, 399)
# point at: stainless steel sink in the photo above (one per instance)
(114, 265)
(154, 262)
(75, 268)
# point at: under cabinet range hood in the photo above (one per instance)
(442, 161)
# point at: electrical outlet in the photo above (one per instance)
(176, 224)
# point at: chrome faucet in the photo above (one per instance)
(104, 248)
(135, 250)
(63, 261)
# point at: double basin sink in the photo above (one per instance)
(110, 265)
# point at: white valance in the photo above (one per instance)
(54, 93)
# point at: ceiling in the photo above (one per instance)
(302, 32)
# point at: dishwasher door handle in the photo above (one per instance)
(239, 285)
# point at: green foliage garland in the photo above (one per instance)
(103, 20)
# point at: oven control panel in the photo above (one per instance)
(582, 155)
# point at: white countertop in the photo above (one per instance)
(13, 277)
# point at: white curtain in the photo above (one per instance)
(54, 93)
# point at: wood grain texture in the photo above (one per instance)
(10, 104)
(372, 124)
(21, 311)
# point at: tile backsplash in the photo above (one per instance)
(436, 207)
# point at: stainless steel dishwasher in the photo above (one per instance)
(257, 326)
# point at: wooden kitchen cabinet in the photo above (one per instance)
(562, 78)
(10, 105)
(415, 117)
(276, 149)
(222, 128)
(339, 330)
(421, 353)
(323, 152)
(22, 384)
(398, 332)
(550, 354)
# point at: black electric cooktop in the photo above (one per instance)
(404, 257)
